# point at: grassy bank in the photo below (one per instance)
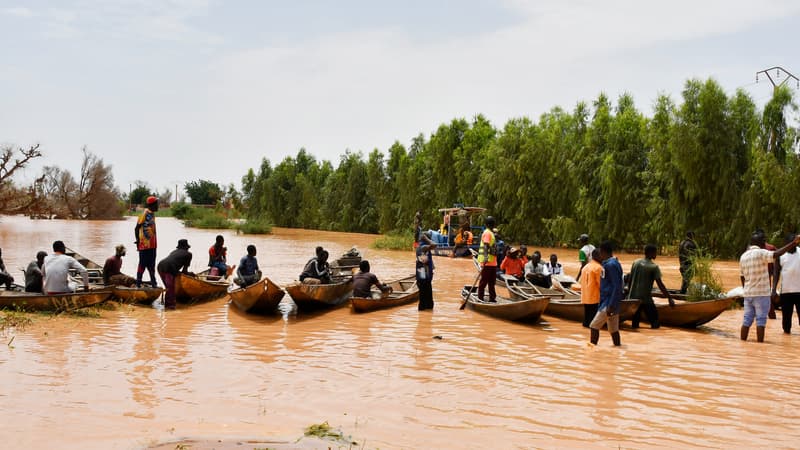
(394, 241)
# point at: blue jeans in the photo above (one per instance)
(757, 307)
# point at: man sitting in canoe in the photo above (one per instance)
(536, 272)
(513, 265)
(248, 271)
(364, 280)
(462, 241)
(5, 277)
(112, 270)
(33, 274)
(317, 270)
(55, 271)
(168, 268)
(218, 258)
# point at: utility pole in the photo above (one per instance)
(776, 72)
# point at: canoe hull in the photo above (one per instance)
(573, 309)
(526, 310)
(692, 314)
(192, 290)
(315, 296)
(404, 291)
(259, 298)
(28, 301)
(142, 295)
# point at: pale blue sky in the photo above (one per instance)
(174, 91)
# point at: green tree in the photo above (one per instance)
(204, 192)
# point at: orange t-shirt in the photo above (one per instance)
(513, 266)
(590, 283)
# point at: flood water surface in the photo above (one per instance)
(398, 378)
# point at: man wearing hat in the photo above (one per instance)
(145, 234)
(168, 268)
(513, 264)
(585, 253)
(112, 270)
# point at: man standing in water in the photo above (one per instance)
(686, 250)
(487, 258)
(754, 270)
(585, 253)
(146, 243)
(590, 287)
(787, 266)
(643, 273)
(610, 296)
(424, 265)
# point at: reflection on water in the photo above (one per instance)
(394, 378)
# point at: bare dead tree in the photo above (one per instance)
(13, 199)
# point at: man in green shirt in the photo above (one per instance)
(643, 272)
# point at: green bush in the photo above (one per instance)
(705, 283)
(394, 241)
(181, 210)
(255, 226)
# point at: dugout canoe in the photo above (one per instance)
(198, 289)
(315, 296)
(144, 295)
(692, 314)
(261, 297)
(525, 310)
(30, 301)
(404, 291)
(570, 308)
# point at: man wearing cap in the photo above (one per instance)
(112, 270)
(513, 264)
(33, 274)
(145, 233)
(585, 253)
(487, 258)
(168, 268)
(55, 271)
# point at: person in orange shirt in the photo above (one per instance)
(513, 264)
(590, 287)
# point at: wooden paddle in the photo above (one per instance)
(466, 297)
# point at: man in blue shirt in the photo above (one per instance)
(248, 271)
(610, 296)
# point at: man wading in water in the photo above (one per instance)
(610, 296)
(754, 266)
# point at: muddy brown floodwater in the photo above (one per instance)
(140, 376)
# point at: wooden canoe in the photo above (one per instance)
(404, 291)
(315, 296)
(261, 297)
(691, 314)
(526, 310)
(30, 301)
(197, 289)
(143, 295)
(570, 308)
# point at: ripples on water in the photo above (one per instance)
(141, 375)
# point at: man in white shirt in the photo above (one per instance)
(787, 266)
(56, 271)
(536, 272)
(754, 271)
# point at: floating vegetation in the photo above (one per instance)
(14, 319)
(324, 431)
(394, 241)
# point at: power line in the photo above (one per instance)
(774, 73)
